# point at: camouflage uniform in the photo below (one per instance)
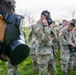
(44, 50)
(33, 47)
(74, 35)
(54, 34)
(74, 55)
(61, 27)
(12, 70)
(65, 40)
(58, 29)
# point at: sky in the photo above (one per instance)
(58, 8)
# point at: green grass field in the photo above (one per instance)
(26, 68)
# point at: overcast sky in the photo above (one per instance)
(58, 8)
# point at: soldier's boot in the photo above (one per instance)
(35, 66)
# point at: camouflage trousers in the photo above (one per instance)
(73, 58)
(55, 45)
(45, 60)
(74, 61)
(12, 70)
(34, 58)
(66, 57)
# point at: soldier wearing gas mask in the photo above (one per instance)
(41, 45)
(13, 46)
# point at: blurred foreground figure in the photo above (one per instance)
(13, 47)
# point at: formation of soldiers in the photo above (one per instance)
(46, 39)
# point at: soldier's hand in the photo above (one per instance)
(73, 45)
(44, 21)
(52, 39)
(38, 28)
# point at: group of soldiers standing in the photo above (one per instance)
(45, 39)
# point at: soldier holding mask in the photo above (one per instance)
(44, 52)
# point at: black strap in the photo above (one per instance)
(4, 14)
(1, 47)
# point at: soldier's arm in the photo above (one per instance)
(64, 41)
(40, 34)
(53, 31)
(30, 35)
(74, 36)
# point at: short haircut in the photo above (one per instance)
(7, 5)
(64, 20)
(71, 24)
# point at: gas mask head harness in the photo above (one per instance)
(47, 15)
(15, 19)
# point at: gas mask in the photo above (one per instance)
(14, 44)
(47, 15)
(49, 20)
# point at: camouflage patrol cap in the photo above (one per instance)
(46, 13)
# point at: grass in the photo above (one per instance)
(26, 68)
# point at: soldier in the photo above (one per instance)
(43, 43)
(74, 33)
(74, 40)
(74, 54)
(7, 6)
(54, 35)
(33, 46)
(65, 36)
(64, 23)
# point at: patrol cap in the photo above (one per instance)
(46, 13)
(71, 24)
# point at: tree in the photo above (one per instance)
(72, 12)
(28, 19)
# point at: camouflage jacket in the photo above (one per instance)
(61, 27)
(41, 37)
(74, 35)
(65, 37)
